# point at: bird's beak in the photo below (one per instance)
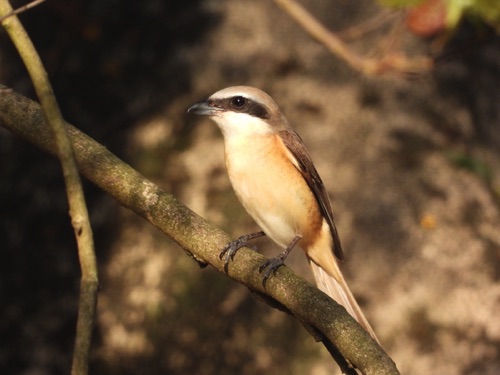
(204, 108)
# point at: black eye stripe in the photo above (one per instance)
(243, 105)
(258, 110)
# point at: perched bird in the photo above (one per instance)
(275, 179)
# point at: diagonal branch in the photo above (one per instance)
(325, 319)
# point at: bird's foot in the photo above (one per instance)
(229, 251)
(270, 266)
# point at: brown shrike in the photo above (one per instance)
(276, 181)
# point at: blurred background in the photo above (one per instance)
(410, 161)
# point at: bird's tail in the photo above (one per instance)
(340, 292)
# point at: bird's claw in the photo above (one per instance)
(232, 248)
(270, 266)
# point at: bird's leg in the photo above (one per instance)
(274, 263)
(232, 247)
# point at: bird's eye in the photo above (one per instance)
(238, 101)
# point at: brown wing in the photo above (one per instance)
(306, 167)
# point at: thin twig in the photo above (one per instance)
(76, 199)
(395, 63)
(392, 39)
(367, 26)
(334, 44)
(21, 9)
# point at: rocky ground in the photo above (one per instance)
(412, 166)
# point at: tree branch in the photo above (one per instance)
(324, 318)
(76, 198)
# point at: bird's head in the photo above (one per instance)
(242, 110)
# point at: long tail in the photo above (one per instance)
(341, 293)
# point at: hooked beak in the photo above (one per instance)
(204, 108)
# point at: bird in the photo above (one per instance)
(274, 178)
